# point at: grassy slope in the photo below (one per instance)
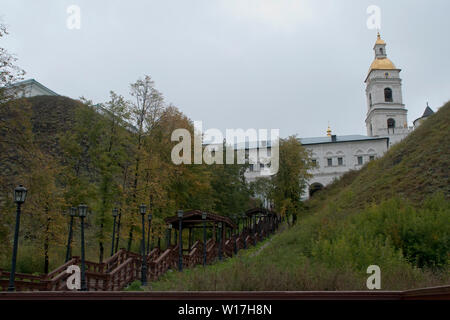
(412, 169)
(346, 228)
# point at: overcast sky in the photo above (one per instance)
(293, 65)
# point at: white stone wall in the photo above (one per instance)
(325, 174)
(349, 152)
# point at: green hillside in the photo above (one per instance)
(413, 169)
(394, 213)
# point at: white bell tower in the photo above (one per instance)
(386, 113)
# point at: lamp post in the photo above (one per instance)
(243, 230)
(148, 234)
(169, 235)
(116, 247)
(204, 216)
(220, 240)
(180, 241)
(236, 219)
(150, 209)
(115, 213)
(189, 239)
(73, 213)
(254, 229)
(20, 194)
(82, 213)
(143, 210)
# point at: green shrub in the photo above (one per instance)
(422, 235)
(135, 286)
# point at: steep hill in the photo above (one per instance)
(36, 122)
(393, 213)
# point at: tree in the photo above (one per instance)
(109, 155)
(15, 137)
(262, 188)
(190, 184)
(232, 193)
(45, 205)
(9, 71)
(145, 111)
(289, 183)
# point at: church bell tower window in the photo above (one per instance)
(388, 94)
(391, 125)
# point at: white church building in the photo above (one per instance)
(386, 123)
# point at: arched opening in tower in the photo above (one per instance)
(388, 95)
(313, 188)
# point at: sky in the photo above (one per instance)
(293, 65)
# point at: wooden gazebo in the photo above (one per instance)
(194, 217)
(260, 211)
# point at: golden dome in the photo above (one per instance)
(382, 64)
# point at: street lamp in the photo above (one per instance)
(73, 214)
(254, 229)
(116, 246)
(243, 230)
(236, 231)
(204, 216)
(180, 242)
(148, 234)
(169, 235)
(115, 213)
(82, 213)
(143, 211)
(220, 240)
(20, 194)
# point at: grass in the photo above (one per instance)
(320, 253)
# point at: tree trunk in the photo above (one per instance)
(102, 249)
(46, 242)
(130, 238)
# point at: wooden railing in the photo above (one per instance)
(124, 267)
(123, 275)
(23, 282)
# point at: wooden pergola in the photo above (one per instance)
(260, 211)
(193, 219)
